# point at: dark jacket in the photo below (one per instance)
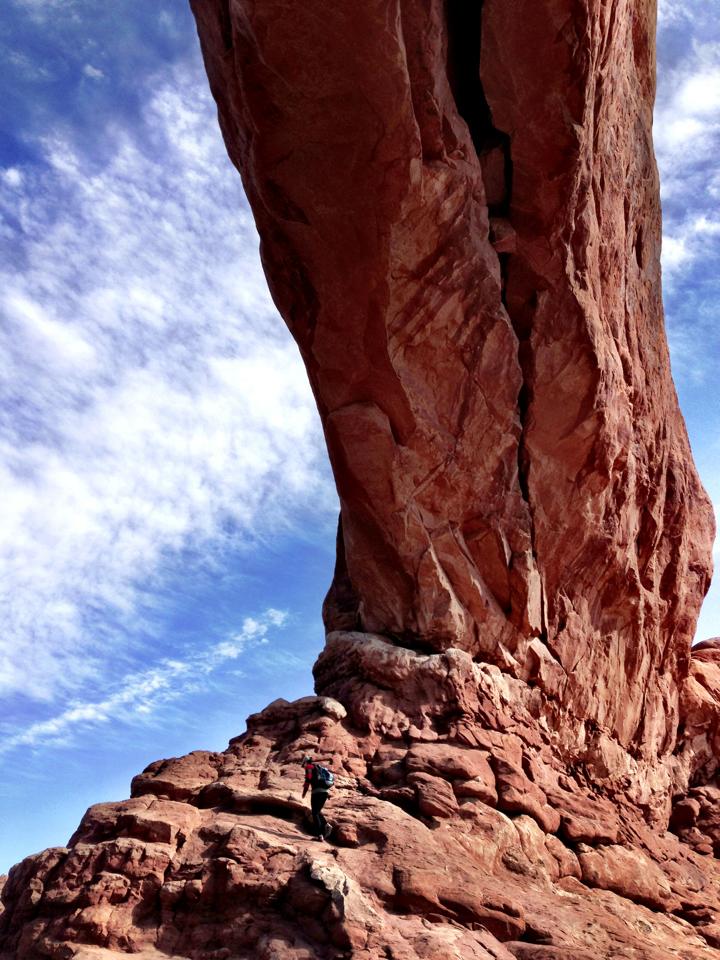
(311, 779)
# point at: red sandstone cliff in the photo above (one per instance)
(458, 209)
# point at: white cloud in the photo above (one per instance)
(12, 177)
(674, 11)
(57, 341)
(687, 139)
(693, 238)
(700, 94)
(277, 618)
(152, 398)
(675, 252)
(679, 133)
(687, 117)
(140, 695)
(94, 73)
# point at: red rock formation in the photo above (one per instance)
(459, 220)
(458, 207)
(478, 844)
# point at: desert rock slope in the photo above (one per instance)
(459, 219)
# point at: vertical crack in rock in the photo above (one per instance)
(464, 30)
(226, 25)
(493, 149)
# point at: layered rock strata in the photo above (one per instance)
(458, 211)
(476, 843)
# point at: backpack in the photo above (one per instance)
(323, 777)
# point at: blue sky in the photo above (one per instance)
(169, 514)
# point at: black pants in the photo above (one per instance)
(317, 802)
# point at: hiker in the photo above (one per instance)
(319, 779)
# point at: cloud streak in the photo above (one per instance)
(140, 695)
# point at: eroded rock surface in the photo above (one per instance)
(474, 843)
(458, 207)
(459, 216)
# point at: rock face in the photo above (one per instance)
(459, 217)
(458, 206)
(474, 844)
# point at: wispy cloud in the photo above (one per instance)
(687, 138)
(692, 239)
(687, 141)
(151, 398)
(673, 11)
(138, 696)
(94, 73)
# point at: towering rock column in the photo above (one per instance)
(459, 220)
(458, 208)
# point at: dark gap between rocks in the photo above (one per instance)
(226, 30)
(464, 33)
(464, 45)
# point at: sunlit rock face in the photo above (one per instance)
(478, 844)
(458, 208)
(458, 211)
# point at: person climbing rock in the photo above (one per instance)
(318, 780)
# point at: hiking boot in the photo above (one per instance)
(327, 831)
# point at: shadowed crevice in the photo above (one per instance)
(492, 146)
(464, 32)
